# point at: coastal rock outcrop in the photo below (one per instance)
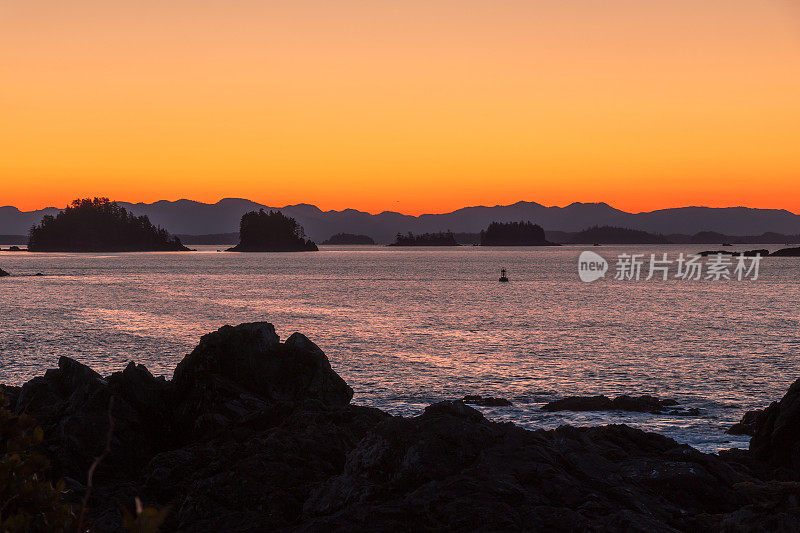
(776, 437)
(255, 434)
(238, 370)
(749, 424)
(641, 404)
(3, 273)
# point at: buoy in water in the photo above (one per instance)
(503, 278)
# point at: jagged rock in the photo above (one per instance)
(238, 370)
(3, 273)
(9, 395)
(777, 437)
(641, 404)
(273, 444)
(486, 401)
(451, 469)
(749, 424)
(72, 404)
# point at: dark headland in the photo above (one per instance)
(99, 225)
(261, 231)
(255, 434)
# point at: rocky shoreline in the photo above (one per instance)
(256, 434)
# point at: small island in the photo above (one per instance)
(514, 234)
(260, 231)
(349, 238)
(786, 252)
(100, 225)
(444, 238)
(616, 235)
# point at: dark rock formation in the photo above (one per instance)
(786, 252)
(348, 238)
(257, 435)
(486, 401)
(3, 273)
(749, 424)
(776, 438)
(641, 404)
(236, 371)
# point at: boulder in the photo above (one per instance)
(776, 439)
(749, 424)
(641, 404)
(236, 371)
(74, 406)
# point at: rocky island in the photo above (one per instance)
(348, 238)
(100, 225)
(258, 434)
(261, 231)
(514, 234)
(786, 252)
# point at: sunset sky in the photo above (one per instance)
(406, 105)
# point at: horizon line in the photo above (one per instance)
(421, 214)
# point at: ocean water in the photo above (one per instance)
(408, 327)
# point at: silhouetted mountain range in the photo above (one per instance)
(189, 217)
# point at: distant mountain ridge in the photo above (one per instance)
(188, 217)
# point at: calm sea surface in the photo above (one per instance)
(408, 327)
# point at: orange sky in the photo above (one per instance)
(412, 105)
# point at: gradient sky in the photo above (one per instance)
(406, 105)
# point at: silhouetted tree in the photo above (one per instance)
(99, 225)
(616, 235)
(349, 238)
(445, 238)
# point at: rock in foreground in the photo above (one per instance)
(639, 404)
(255, 434)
